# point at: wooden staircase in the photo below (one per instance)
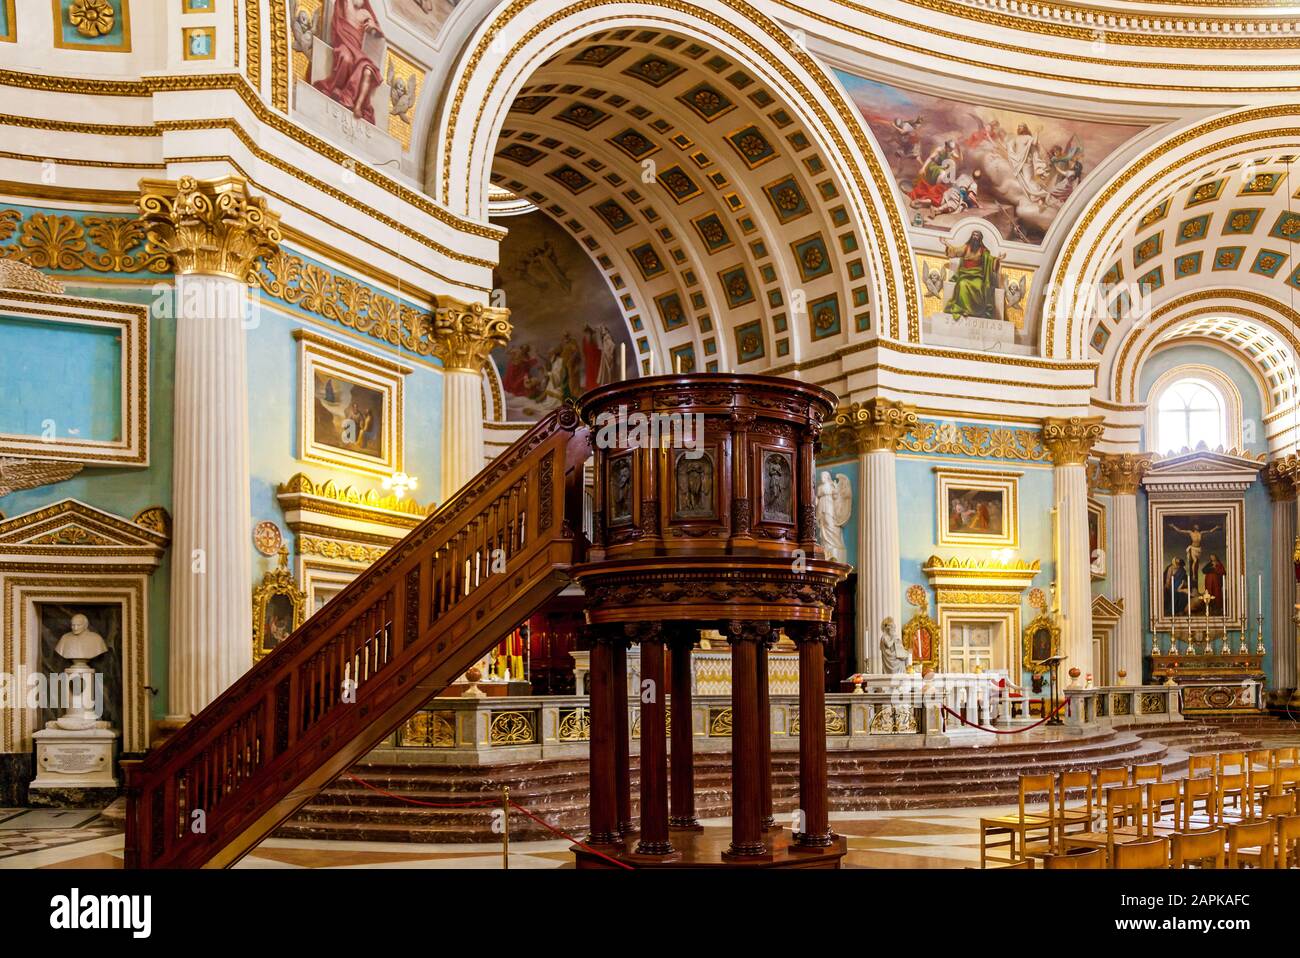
(396, 636)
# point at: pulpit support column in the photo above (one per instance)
(813, 801)
(746, 753)
(682, 776)
(602, 761)
(654, 744)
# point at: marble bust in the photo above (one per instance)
(894, 655)
(81, 644)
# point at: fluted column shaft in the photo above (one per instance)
(877, 425)
(462, 428)
(212, 567)
(1281, 625)
(1070, 441)
(1122, 473)
(211, 234)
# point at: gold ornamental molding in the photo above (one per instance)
(343, 502)
(465, 334)
(335, 549)
(209, 227)
(979, 581)
(1281, 477)
(1122, 473)
(1069, 441)
(986, 442)
(878, 424)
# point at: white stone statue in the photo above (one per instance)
(895, 657)
(834, 506)
(1098, 564)
(84, 706)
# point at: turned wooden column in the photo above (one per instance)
(812, 737)
(682, 772)
(602, 760)
(618, 721)
(746, 780)
(764, 737)
(654, 744)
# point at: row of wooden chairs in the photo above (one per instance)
(1137, 802)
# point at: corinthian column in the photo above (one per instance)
(1069, 441)
(877, 426)
(1280, 477)
(211, 233)
(1121, 474)
(464, 336)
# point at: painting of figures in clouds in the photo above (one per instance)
(558, 349)
(952, 160)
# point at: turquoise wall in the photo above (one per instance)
(1258, 507)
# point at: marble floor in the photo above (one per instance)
(926, 838)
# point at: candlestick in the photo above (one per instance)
(1259, 592)
(1259, 635)
(622, 360)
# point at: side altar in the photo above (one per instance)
(1201, 593)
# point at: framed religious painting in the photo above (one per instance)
(1096, 539)
(1040, 640)
(350, 409)
(977, 507)
(921, 638)
(279, 607)
(1196, 563)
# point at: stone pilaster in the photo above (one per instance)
(1122, 474)
(877, 425)
(211, 233)
(1281, 477)
(1070, 441)
(464, 336)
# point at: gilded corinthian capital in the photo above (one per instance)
(466, 333)
(1122, 472)
(208, 227)
(877, 423)
(1069, 441)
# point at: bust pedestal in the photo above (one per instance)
(70, 762)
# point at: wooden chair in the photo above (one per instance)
(1271, 806)
(1203, 848)
(1140, 774)
(1199, 766)
(1163, 804)
(1023, 863)
(1261, 758)
(1235, 760)
(1288, 780)
(1288, 841)
(1233, 786)
(1262, 783)
(1079, 816)
(1201, 790)
(1023, 828)
(1251, 843)
(1107, 778)
(1123, 805)
(1286, 757)
(1077, 858)
(1151, 853)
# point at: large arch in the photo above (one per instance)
(1207, 169)
(518, 39)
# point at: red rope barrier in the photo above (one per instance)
(492, 804)
(1006, 731)
(569, 837)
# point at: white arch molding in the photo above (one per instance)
(1104, 224)
(514, 41)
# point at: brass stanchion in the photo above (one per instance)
(505, 826)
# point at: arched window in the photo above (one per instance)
(1190, 411)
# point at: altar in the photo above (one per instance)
(710, 671)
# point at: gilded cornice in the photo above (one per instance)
(104, 244)
(344, 502)
(209, 227)
(984, 442)
(877, 424)
(1069, 441)
(1122, 472)
(465, 334)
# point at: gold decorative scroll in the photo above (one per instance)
(987, 442)
(209, 227)
(105, 244)
(466, 333)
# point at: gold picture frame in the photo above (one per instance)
(914, 639)
(977, 507)
(350, 406)
(1042, 634)
(279, 607)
